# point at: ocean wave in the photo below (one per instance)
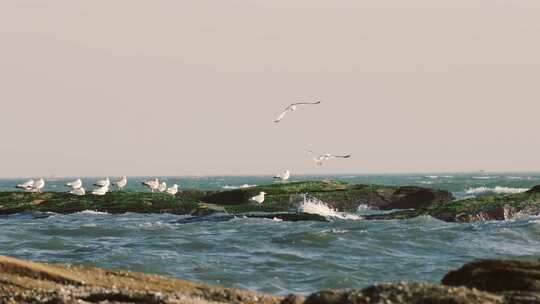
(314, 205)
(91, 212)
(498, 189)
(485, 177)
(244, 186)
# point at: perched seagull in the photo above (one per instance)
(283, 176)
(78, 191)
(121, 183)
(152, 184)
(173, 190)
(162, 187)
(259, 198)
(28, 185)
(75, 184)
(103, 183)
(293, 107)
(101, 191)
(38, 185)
(320, 158)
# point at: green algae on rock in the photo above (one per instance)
(338, 195)
(486, 208)
(281, 197)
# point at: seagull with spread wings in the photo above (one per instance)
(320, 158)
(293, 107)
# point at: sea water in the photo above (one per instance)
(276, 256)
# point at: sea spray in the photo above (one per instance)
(498, 189)
(313, 205)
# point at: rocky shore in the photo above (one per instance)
(490, 281)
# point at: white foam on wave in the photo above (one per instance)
(314, 205)
(244, 186)
(498, 189)
(432, 176)
(91, 212)
(485, 177)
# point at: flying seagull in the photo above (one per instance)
(320, 158)
(293, 107)
(173, 190)
(121, 183)
(76, 184)
(152, 184)
(28, 185)
(259, 199)
(283, 176)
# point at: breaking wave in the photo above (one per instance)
(244, 186)
(313, 205)
(498, 189)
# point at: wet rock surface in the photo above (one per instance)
(491, 281)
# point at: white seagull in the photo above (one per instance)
(78, 191)
(162, 187)
(76, 184)
(293, 107)
(38, 185)
(320, 158)
(121, 183)
(28, 185)
(283, 176)
(259, 198)
(101, 191)
(173, 190)
(152, 184)
(103, 183)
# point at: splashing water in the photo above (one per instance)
(314, 205)
(498, 189)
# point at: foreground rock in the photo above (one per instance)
(486, 208)
(504, 282)
(283, 197)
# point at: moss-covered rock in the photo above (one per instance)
(486, 208)
(281, 197)
(338, 195)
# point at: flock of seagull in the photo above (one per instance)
(318, 158)
(103, 185)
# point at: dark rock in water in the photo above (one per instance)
(486, 208)
(497, 276)
(535, 189)
(338, 195)
(282, 197)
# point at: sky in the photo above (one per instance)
(96, 88)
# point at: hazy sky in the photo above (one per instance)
(192, 87)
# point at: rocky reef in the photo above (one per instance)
(281, 197)
(490, 281)
(284, 199)
(485, 208)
